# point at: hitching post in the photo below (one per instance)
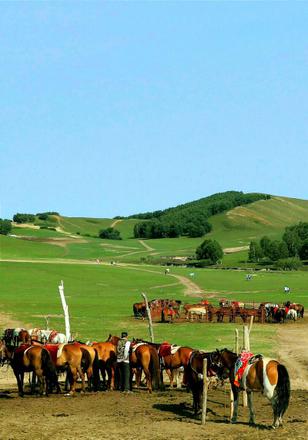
(65, 310)
(204, 394)
(149, 316)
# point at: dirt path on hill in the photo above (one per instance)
(115, 223)
(148, 248)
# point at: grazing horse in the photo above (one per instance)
(27, 358)
(194, 374)
(260, 374)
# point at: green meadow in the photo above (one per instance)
(100, 299)
(100, 296)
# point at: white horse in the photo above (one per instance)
(59, 338)
(199, 312)
(292, 314)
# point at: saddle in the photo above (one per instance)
(244, 360)
(135, 346)
(167, 349)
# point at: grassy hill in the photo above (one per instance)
(74, 237)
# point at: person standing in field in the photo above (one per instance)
(123, 349)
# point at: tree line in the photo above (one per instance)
(190, 219)
(287, 253)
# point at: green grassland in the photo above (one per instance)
(100, 300)
(100, 296)
(235, 228)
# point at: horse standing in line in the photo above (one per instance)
(107, 359)
(194, 374)
(264, 375)
(27, 358)
(144, 357)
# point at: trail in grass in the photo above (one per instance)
(148, 248)
(115, 223)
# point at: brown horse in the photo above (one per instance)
(107, 358)
(171, 362)
(144, 357)
(74, 358)
(28, 358)
(260, 374)
(194, 374)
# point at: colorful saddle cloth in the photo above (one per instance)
(240, 366)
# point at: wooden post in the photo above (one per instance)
(204, 395)
(149, 317)
(246, 346)
(236, 342)
(236, 348)
(250, 326)
(65, 310)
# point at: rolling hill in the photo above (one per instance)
(76, 237)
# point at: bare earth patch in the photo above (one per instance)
(162, 415)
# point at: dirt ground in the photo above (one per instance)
(161, 415)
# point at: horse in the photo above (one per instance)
(291, 314)
(298, 307)
(200, 312)
(194, 374)
(107, 358)
(75, 358)
(14, 336)
(139, 310)
(27, 358)
(260, 374)
(143, 356)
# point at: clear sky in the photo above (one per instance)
(113, 108)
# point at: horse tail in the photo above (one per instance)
(135, 311)
(282, 391)
(302, 312)
(154, 368)
(86, 359)
(49, 370)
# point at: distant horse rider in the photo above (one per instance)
(123, 349)
(287, 289)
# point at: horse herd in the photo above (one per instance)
(98, 362)
(173, 310)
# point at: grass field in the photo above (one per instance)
(100, 297)
(100, 300)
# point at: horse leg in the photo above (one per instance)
(148, 378)
(20, 382)
(236, 401)
(72, 374)
(83, 381)
(170, 375)
(252, 415)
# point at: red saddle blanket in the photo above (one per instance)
(53, 350)
(240, 366)
(164, 349)
(21, 349)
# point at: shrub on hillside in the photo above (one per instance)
(292, 263)
(5, 226)
(110, 234)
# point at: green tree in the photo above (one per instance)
(110, 234)
(303, 251)
(255, 252)
(209, 250)
(5, 226)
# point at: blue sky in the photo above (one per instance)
(122, 107)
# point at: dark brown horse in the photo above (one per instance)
(194, 374)
(27, 358)
(260, 374)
